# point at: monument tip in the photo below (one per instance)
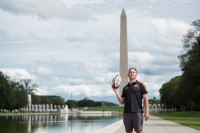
(123, 12)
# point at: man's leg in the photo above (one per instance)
(138, 122)
(127, 122)
(139, 131)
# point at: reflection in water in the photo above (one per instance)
(51, 123)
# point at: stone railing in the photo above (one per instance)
(159, 108)
(45, 108)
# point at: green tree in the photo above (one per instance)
(86, 103)
(154, 101)
(190, 65)
(12, 94)
(184, 91)
(20, 95)
(169, 93)
(29, 88)
(57, 101)
(71, 103)
(35, 99)
(3, 86)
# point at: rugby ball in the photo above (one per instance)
(116, 81)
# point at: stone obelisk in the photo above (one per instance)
(123, 51)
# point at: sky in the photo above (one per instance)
(70, 48)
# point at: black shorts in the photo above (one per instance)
(133, 121)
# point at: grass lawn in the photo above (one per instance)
(106, 108)
(190, 119)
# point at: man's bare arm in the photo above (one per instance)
(146, 104)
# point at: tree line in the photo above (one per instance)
(183, 91)
(86, 102)
(14, 94)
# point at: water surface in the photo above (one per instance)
(60, 123)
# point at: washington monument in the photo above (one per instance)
(123, 51)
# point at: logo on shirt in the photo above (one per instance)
(125, 88)
(136, 85)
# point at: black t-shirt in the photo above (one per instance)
(133, 94)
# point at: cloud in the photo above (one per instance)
(44, 70)
(71, 3)
(169, 31)
(153, 89)
(45, 10)
(91, 90)
(41, 90)
(73, 45)
(17, 73)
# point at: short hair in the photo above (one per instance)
(133, 68)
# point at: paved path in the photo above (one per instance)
(153, 125)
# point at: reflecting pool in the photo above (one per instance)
(60, 123)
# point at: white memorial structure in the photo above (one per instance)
(45, 108)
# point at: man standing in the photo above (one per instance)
(132, 95)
